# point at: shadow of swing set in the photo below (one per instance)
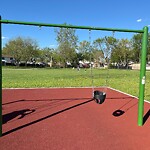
(20, 114)
(98, 96)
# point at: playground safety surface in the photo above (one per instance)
(68, 119)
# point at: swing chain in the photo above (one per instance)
(91, 67)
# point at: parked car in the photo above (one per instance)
(8, 60)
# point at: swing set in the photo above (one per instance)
(98, 96)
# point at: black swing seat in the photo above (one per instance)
(99, 96)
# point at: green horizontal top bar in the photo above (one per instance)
(69, 26)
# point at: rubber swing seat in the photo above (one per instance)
(99, 97)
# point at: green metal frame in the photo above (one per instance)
(0, 78)
(142, 76)
(144, 31)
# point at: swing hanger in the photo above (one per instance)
(40, 27)
(113, 33)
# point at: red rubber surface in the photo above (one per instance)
(67, 119)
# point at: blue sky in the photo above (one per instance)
(99, 13)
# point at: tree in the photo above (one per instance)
(109, 44)
(67, 44)
(46, 54)
(136, 47)
(121, 54)
(148, 51)
(67, 53)
(84, 50)
(98, 53)
(22, 49)
(99, 44)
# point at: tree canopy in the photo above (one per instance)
(71, 50)
(22, 49)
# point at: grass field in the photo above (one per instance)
(124, 80)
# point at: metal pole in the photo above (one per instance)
(142, 76)
(69, 26)
(0, 78)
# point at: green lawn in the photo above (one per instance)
(124, 80)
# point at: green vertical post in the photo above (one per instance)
(142, 76)
(0, 78)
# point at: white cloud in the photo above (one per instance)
(139, 20)
(3, 37)
(149, 25)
